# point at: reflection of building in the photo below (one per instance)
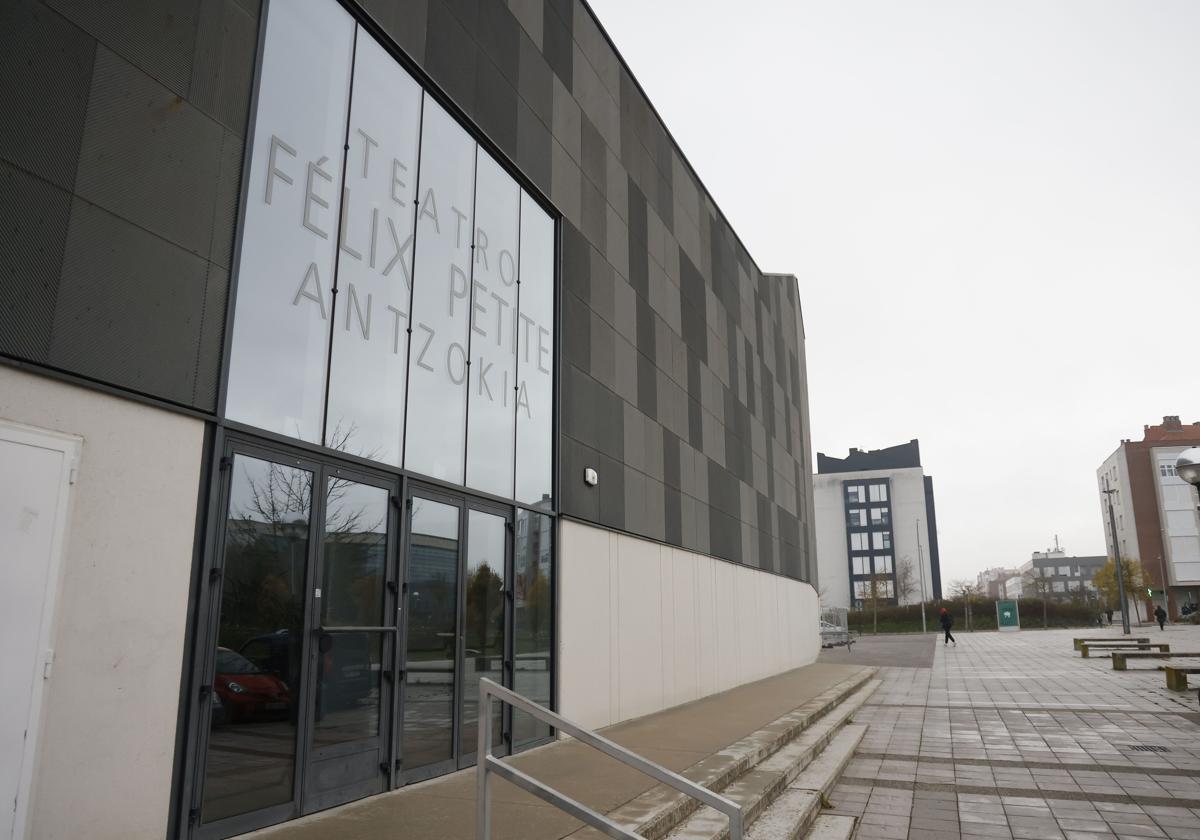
(1055, 575)
(312, 260)
(991, 582)
(1155, 509)
(876, 527)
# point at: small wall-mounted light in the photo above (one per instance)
(590, 478)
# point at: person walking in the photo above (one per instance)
(947, 621)
(1161, 615)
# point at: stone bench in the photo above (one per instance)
(1119, 656)
(1177, 676)
(1086, 650)
(1080, 642)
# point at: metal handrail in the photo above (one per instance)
(488, 764)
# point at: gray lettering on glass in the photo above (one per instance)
(310, 289)
(345, 226)
(353, 306)
(397, 316)
(506, 260)
(274, 171)
(477, 308)
(437, 382)
(280, 342)
(429, 210)
(368, 142)
(543, 350)
(501, 305)
(484, 369)
(374, 233)
(523, 402)
(399, 187)
(369, 361)
(490, 418)
(429, 336)
(458, 287)
(526, 323)
(456, 350)
(311, 197)
(458, 229)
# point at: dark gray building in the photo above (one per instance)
(342, 339)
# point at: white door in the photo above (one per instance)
(35, 475)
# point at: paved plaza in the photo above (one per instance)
(1016, 736)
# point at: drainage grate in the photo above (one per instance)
(1148, 748)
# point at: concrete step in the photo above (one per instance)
(662, 809)
(832, 827)
(758, 788)
(789, 816)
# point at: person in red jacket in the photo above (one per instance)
(947, 621)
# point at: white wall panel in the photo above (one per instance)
(643, 627)
(104, 762)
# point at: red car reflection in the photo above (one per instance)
(248, 693)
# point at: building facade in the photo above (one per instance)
(876, 528)
(1054, 575)
(991, 582)
(351, 352)
(1155, 511)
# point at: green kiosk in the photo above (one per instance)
(1008, 616)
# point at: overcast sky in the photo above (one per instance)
(994, 212)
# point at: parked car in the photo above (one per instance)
(247, 693)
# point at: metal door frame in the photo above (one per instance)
(468, 759)
(390, 484)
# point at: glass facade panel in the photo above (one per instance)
(289, 228)
(252, 737)
(437, 380)
(421, 278)
(353, 566)
(490, 415)
(375, 260)
(535, 356)
(533, 620)
(483, 621)
(432, 634)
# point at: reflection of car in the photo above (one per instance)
(246, 692)
(271, 652)
(346, 674)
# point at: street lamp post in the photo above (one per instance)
(921, 574)
(1120, 570)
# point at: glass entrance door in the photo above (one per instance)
(352, 644)
(300, 685)
(431, 643)
(458, 603)
(484, 618)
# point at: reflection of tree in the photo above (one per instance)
(485, 609)
(536, 609)
(266, 552)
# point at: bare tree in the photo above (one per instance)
(906, 579)
(1035, 581)
(967, 591)
(877, 588)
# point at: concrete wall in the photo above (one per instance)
(104, 762)
(645, 626)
